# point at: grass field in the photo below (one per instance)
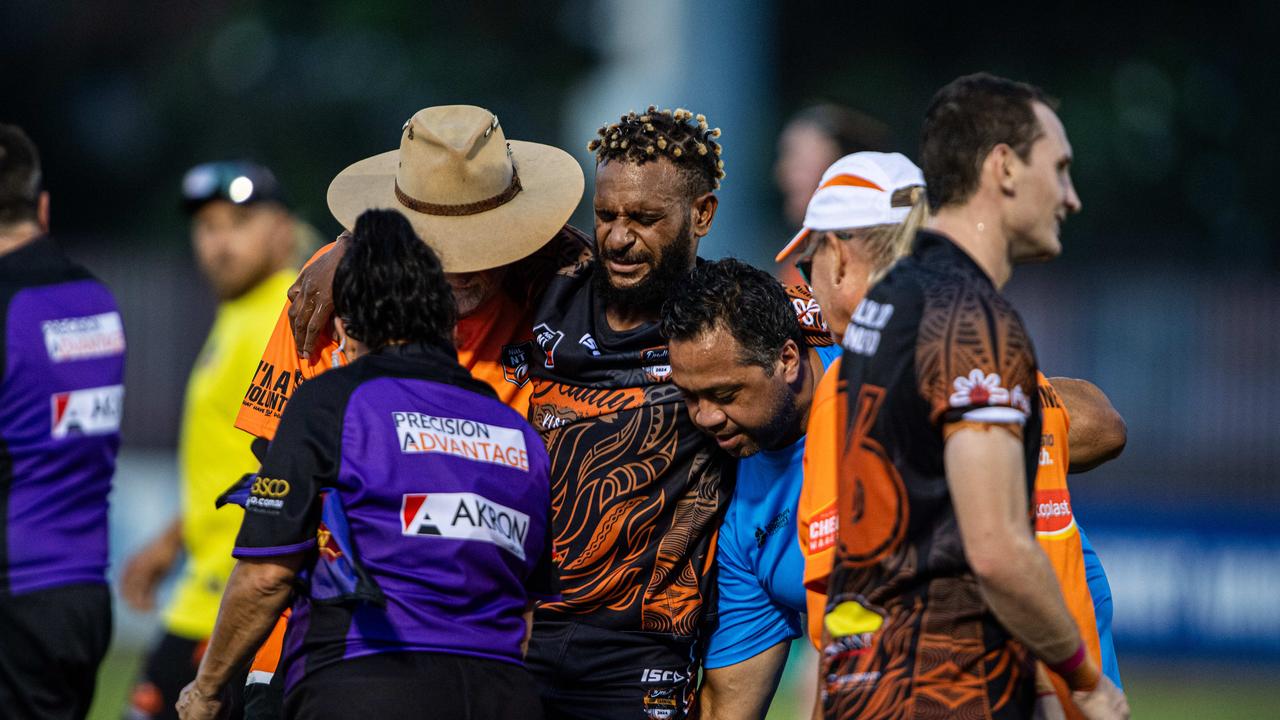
(1156, 691)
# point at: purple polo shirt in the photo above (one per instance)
(447, 498)
(60, 409)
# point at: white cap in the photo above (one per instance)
(856, 192)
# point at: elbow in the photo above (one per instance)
(268, 579)
(997, 561)
(1116, 433)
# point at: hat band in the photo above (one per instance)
(472, 208)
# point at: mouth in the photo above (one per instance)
(729, 442)
(623, 267)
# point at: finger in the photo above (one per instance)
(319, 322)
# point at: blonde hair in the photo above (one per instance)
(885, 245)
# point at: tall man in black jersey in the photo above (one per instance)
(939, 596)
(637, 490)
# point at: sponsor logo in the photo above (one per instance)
(1053, 512)
(657, 373)
(654, 675)
(979, 388)
(515, 363)
(777, 523)
(589, 343)
(269, 487)
(660, 703)
(823, 529)
(863, 334)
(464, 516)
(421, 433)
(93, 411)
(81, 338)
(548, 340)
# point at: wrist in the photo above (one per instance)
(1079, 670)
(206, 688)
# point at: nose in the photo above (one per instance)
(1073, 202)
(708, 415)
(617, 239)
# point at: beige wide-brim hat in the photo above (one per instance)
(479, 200)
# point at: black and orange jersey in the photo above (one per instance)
(933, 347)
(637, 491)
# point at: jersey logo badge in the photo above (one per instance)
(980, 388)
(547, 339)
(515, 363)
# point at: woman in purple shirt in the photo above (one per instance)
(444, 495)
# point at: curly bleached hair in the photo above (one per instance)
(639, 138)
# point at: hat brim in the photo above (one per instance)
(793, 245)
(551, 184)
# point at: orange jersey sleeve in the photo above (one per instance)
(280, 371)
(1056, 528)
(816, 519)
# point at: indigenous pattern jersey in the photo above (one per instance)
(212, 454)
(494, 342)
(759, 566)
(60, 409)
(931, 349)
(816, 507)
(637, 490)
(446, 501)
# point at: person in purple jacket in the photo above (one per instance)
(62, 358)
(436, 493)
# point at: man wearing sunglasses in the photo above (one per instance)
(245, 241)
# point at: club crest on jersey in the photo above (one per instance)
(547, 339)
(515, 363)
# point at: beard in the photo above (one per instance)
(645, 297)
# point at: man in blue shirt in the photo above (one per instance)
(743, 354)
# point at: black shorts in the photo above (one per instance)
(588, 673)
(51, 643)
(170, 667)
(415, 685)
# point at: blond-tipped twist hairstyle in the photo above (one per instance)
(678, 135)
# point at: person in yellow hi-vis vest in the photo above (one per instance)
(245, 242)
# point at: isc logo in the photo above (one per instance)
(654, 675)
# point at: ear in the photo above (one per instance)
(789, 361)
(42, 211)
(1003, 165)
(703, 212)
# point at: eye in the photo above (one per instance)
(605, 216)
(647, 220)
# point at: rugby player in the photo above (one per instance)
(637, 490)
(493, 210)
(747, 371)
(244, 241)
(61, 391)
(939, 598)
(852, 234)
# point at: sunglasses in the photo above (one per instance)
(804, 263)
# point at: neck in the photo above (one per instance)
(622, 320)
(16, 236)
(979, 234)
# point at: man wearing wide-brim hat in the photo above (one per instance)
(494, 211)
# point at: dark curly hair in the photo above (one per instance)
(746, 301)
(19, 176)
(965, 119)
(389, 287)
(638, 138)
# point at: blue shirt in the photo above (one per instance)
(760, 567)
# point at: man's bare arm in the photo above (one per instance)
(743, 691)
(987, 480)
(1098, 433)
